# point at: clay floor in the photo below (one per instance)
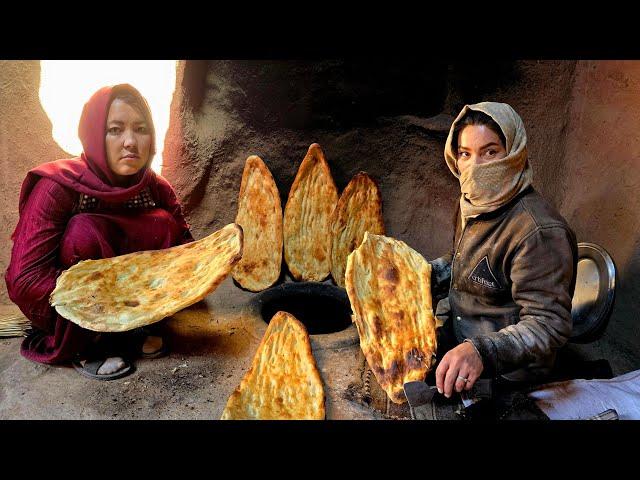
(212, 345)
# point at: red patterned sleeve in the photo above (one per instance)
(169, 201)
(33, 269)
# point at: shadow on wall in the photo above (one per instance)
(469, 82)
(332, 94)
(339, 94)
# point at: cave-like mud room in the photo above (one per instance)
(386, 117)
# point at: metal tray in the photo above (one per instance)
(594, 294)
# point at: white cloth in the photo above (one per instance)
(582, 399)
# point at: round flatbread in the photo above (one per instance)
(389, 287)
(283, 382)
(359, 210)
(307, 218)
(130, 291)
(260, 216)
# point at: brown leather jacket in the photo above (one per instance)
(512, 278)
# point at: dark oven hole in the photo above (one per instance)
(322, 308)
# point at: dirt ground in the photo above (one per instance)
(212, 345)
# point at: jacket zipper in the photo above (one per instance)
(455, 253)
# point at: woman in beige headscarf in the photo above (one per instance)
(514, 260)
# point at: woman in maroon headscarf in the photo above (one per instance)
(106, 202)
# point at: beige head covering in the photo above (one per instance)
(489, 186)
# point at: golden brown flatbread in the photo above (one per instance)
(359, 210)
(129, 291)
(307, 218)
(260, 216)
(283, 382)
(389, 287)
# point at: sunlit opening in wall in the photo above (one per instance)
(66, 85)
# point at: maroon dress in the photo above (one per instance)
(70, 210)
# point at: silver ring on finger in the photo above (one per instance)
(464, 379)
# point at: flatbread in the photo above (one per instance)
(359, 210)
(129, 291)
(307, 218)
(260, 216)
(283, 382)
(389, 287)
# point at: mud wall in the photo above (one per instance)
(388, 118)
(601, 184)
(25, 142)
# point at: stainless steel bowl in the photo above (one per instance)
(594, 294)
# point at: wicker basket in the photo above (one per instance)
(13, 323)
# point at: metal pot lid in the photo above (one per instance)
(594, 293)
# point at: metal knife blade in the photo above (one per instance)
(419, 395)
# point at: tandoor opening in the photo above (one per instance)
(322, 308)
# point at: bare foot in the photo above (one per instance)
(152, 344)
(111, 365)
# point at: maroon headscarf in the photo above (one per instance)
(89, 173)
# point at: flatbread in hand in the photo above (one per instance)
(283, 382)
(260, 216)
(359, 210)
(307, 218)
(389, 287)
(130, 291)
